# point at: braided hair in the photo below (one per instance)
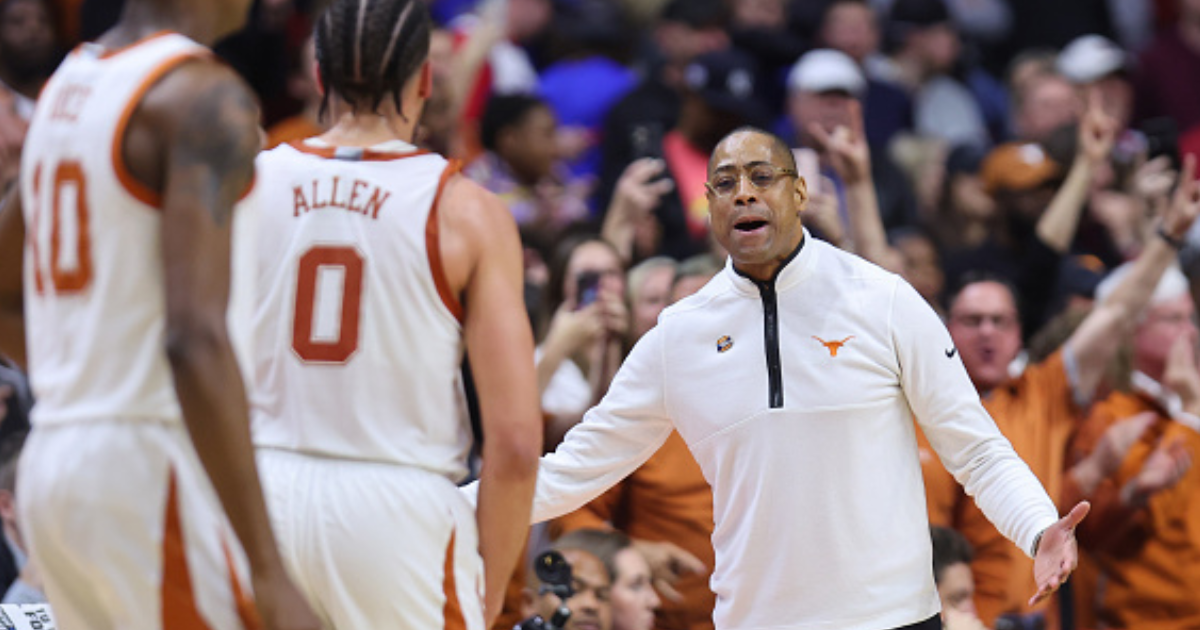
(368, 49)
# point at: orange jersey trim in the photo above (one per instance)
(433, 246)
(140, 191)
(452, 613)
(368, 155)
(179, 610)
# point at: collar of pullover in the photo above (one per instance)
(795, 268)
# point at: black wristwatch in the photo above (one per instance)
(1177, 243)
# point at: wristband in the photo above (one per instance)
(1037, 541)
(1177, 243)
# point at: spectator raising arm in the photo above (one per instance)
(638, 193)
(850, 156)
(1097, 339)
(1097, 132)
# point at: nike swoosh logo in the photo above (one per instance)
(951, 352)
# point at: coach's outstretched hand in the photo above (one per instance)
(1057, 555)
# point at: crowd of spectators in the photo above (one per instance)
(1012, 159)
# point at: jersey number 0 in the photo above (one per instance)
(333, 346)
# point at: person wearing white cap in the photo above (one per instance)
(1095, 62)
(824, 90)
(825, 70)
(821, 87)
(852, 27)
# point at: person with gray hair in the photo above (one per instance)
(1134, 462)
(1039, 407)
(648, 286)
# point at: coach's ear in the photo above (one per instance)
(426, 89)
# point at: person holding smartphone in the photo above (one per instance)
(585, 322)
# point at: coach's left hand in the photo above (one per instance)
(1057, 554)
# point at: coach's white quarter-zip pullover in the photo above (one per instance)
(797, 398)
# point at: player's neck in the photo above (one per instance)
(140, 20)
(352, 128)
(365, 130)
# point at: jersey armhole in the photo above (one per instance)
(140, 191)
(433, 246)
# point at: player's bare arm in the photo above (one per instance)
(12, 253)
(195, 138)
(481, 250)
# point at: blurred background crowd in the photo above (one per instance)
(1004, 156)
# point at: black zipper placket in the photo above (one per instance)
(770, 302)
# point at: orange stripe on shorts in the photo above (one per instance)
(179, 610)
(452, 612)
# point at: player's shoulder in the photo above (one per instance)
(466, 204)
(202, 94)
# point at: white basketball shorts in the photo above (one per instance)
(375, 545)
(127, 531)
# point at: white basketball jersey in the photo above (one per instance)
(94, 296)
(357, 341)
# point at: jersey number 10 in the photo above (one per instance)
(68, 205)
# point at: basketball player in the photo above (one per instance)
(137, 151)
(376, 262)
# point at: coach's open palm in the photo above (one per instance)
(1057, 554)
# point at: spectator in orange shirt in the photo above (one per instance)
(1039, 409)
(1138, 469)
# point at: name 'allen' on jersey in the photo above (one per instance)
(355, 196)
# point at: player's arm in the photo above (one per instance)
(207, 121)
(12, 256)
(500, 342)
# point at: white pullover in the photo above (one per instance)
(805, 433)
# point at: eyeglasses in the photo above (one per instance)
(762, 177)
(977, 320)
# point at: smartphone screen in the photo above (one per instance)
(646, 141)
(587, 289)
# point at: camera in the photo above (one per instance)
(554, 572)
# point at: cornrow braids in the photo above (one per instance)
(367, 50)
